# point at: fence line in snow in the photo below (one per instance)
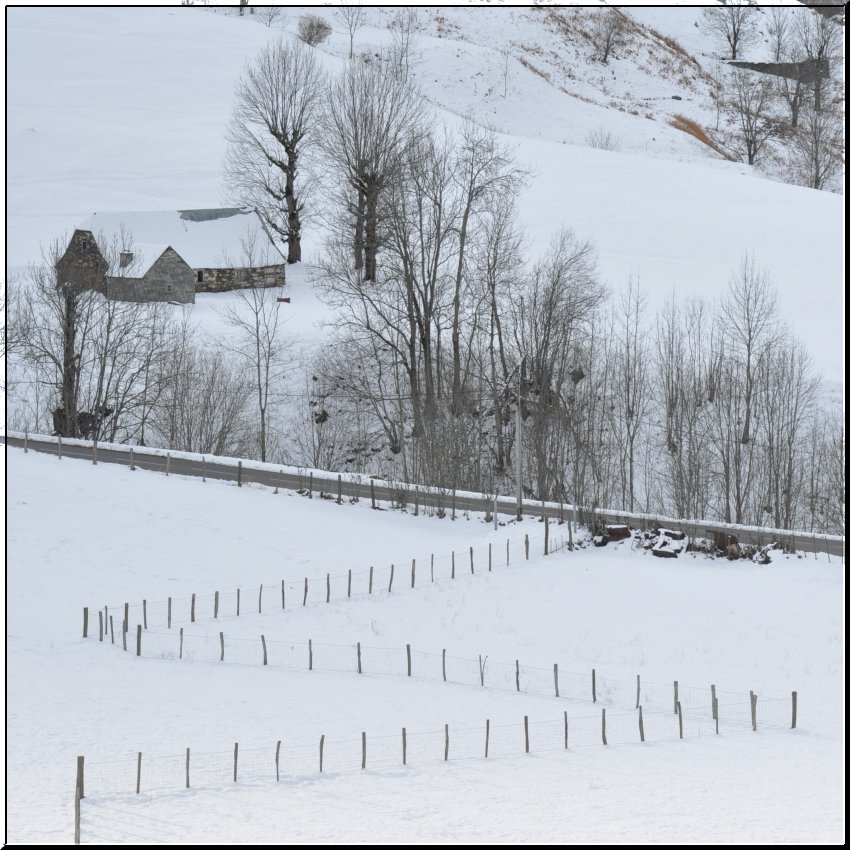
(280, 595)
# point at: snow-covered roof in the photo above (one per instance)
(210, 238)
(144, 256)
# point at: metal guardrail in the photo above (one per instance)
(159, 460)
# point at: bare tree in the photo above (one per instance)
(607, 31)
(820, 41)
(403, 28)
(260, 344)
(369, 122)
(352, 14)
(313, 29)
(818, 148)
(733, 24)
(750, 104)
(779, 31)
(505, 53)
(270, 14)
(277, 99)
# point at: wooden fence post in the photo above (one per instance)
(753, 699)
(138, 640)
(112, 628)
(413, 573)
(446, 756)
(203, 469)
(60, 457)
(604, 738)
(716, 707)
(713, 700)
(187, 759)
(408, 659)
(81, 770)
(181, 649)
(487, 740)
(453, 563)
(282, 594)
(640, 722)
(566, 732)
(557, 692)
(444, 665)
(508, 552)
(126, 624)
(26, 440)
(489, 557)
(392, 573)
(277, 761)
(94, 452)
(570, 535)
(363, 748)
(593, 682)
(100, 625)
(169, 612)
(339, 489)
(193, 607)
(85, 622)
(239, 475)
(349, 584)
(517, 674)
(304, 600)
(403, 745)
(454, 494)
(321, 744)
(481, 663)
(525, 723)
(145, 612)
(260, 603)
(371, 570)
(235, 759)
(526, 547)
(546, 535)
(793, 709)
(139, 774)
(77, 810)
(238, 600)
(132, 465)
(124, 639)
(221, 639)
(471, 562)
(328, 591)
(265, 654)
(372, 492)
(215, 606)
(675, 696)
(637, 699)
(310, 654)
(168, 463)
(679, 712)
(359, 659)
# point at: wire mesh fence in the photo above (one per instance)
(281, 594)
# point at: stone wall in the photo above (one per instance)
(82, 265)
(168, 279)
(223, 280)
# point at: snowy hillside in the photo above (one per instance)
(142, 97)
(772, 629)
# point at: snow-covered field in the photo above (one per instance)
(142, 97)
(87, 535)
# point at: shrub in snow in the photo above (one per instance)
(313, 29)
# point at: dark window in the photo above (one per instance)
(169, 287)
(200, 277)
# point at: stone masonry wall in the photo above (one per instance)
(222, 280)
(168, 279)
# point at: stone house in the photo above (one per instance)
(227, 248)
(139, 272)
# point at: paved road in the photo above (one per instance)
(832, 545)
